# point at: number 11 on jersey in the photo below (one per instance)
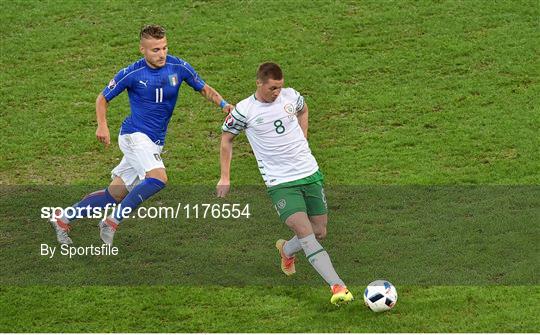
(159, 95)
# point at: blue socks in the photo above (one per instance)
(147, 188)
(98, 199)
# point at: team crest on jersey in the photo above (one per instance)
(112, 84)
(259, 120)
(289, 108)
(173, 79)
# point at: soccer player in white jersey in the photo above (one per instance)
(275, 120)
(152, 84)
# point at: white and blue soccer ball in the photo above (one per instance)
(380, 296)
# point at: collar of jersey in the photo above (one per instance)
(266, 103)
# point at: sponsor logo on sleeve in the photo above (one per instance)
(112, 84)
(229, 121)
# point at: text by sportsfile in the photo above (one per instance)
(70, 251)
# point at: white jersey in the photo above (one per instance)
(273, 131)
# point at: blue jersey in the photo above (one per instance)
(152, 94)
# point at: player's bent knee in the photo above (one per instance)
(158, 174)
(118, 193)
(117, 190)
(300, 224)
(163, 178)
(118, 197)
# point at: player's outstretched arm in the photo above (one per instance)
(225, 154)
(102, 133)
(213, 96)
(303, 119)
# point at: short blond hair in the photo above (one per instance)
(152, 31)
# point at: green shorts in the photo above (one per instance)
(289, 198)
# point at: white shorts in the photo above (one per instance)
(140, 156)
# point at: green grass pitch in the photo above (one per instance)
(439, 99)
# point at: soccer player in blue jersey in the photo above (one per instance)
(152, 84)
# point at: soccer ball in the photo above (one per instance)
(380, 296)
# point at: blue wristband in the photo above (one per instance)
(223, 103)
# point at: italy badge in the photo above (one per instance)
(173, 79)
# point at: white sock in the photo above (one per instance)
(292, 246)
(64, 219)
(319, 259)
